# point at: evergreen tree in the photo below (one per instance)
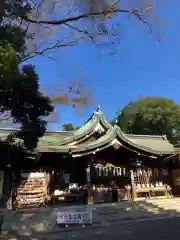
(20, 96)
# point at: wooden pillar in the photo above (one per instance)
(7, 185)
(89, 185)
(46, 179)
(133, 186)
(52, 184)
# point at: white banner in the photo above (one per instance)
(74, 217)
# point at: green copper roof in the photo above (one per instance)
(77, 141)
(72, 137)
(158, 143)
(151, 144)
(4, 132)
(80, 134)
(84, 147)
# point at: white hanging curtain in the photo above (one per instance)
(109, 170)
(100, 172)
(106, 172)
(119, 171)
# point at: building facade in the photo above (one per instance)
(94, 161)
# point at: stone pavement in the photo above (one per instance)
(146, 230)
(33, 222)
(155, 229)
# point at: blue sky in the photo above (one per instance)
(142, 66)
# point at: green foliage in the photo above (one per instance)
(151, 115)
(14, 36)
(112, 122)
(68, 127)
(20, 95)
(8, 61)
(12, 30)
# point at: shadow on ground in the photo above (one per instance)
(33, 223)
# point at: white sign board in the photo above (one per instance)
(37, 175)
(74, 217)
(32, 175)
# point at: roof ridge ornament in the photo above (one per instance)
(118, 118)
(98, 109)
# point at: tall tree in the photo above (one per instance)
(25, 103)
(151, 115)
(68, 127)
(20, 96)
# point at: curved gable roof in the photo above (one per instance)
(156, 145)
(76, 140)
(95, 122)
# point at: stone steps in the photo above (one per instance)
(166, 204)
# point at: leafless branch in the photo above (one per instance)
(82, 16)
(58, 44)
(98, 33)
(89, 35)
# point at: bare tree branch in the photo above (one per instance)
(42, 30)
(89, 35)
(76, 18)
(54, 47)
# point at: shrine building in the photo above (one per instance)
(97, 158)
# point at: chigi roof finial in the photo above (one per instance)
(118, 118)
(98, 109)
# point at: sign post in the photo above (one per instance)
(74, 218)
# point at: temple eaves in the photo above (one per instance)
(78, 140)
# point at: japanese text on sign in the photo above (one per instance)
(74, 217)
